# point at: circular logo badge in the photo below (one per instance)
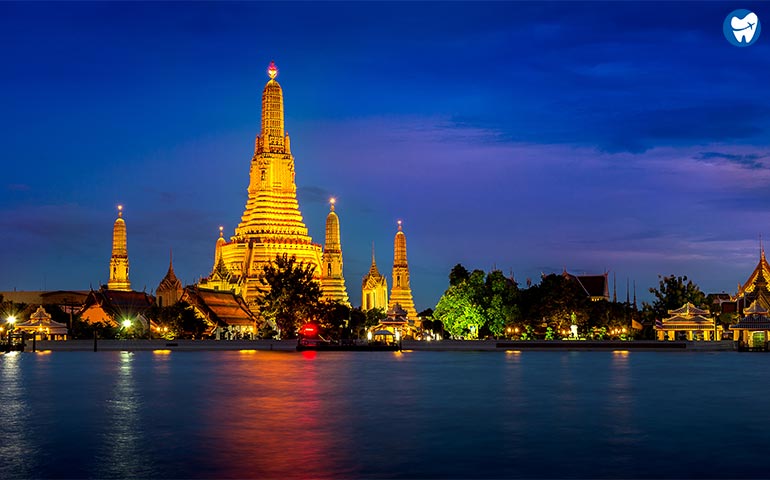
(741, 27)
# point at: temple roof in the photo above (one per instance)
(220, 307)
(119, 303)
(761, 273)
(42, 320)
(592, 285)
(688, 309)
(678, 322)
(755, 309)
(396, 311)
(169, 282)
(373, 278)
(752, 322)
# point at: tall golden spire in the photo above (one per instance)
(272, 135)
(119, 260)
(271, 223)
(218, 248)
(401, 292)
(332, 279)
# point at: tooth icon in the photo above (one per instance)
(744, 28)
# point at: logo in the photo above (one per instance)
(741, 27)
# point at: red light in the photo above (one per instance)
(309, 330)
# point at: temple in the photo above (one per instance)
(374, 288)
(755, 289)
(271, 223)
(596, 287)
(119, 260)
(170, 289)
(688, 323)
(332, 280)
(401, 292)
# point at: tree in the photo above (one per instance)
(672, 293)
(177, 321)
(374, 316)
(553, 302)
(333, 318)
(458, 275)
(427, 313)
(288, 294)
(459, 310)
(499, 302)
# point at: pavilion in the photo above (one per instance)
(690, 321)
(753, 330)
(41, 327)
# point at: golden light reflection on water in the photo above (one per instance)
(273, 417)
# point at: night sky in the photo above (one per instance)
(628, 137)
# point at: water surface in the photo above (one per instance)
(384, 415)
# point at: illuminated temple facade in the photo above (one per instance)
(374, 288)
(332, 280)
(119, 259)
(271, 223)
(401, 292)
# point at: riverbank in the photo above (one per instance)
(444, 345)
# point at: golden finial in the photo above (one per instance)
(399, 225)
(120, 211)
(332, 201)
(272, 70)
(221, 230)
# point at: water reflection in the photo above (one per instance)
(348, 415)
(15, 446)
(121, 455)
(619, 412)
(270, 418)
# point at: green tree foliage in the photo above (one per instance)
(478, 305)
(288, 295)
(458, 311)
(672, 293)
(499, 300)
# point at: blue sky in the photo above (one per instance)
(530, 137)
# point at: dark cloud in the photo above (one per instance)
(750, 161)
(313, 194)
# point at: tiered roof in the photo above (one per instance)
(687, 317)
(756, 318)
(219, 307)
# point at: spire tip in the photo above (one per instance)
(272, 70)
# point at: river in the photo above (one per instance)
(422, 414)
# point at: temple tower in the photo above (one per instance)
(401, 293)
(170, 289)
(374, 288)
(332, 279)
(218, 248)
(271, 223)
(119, 260)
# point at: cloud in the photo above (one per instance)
(313, 194)
(750, 161)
